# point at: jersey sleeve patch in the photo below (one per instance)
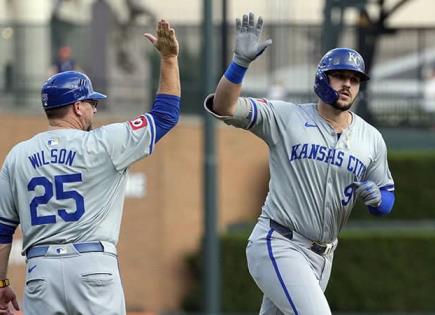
(138, 123)
(262, 101)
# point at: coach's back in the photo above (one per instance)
(69, 184)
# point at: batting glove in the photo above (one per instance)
(368, 192)
(248, 45)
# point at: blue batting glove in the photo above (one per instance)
(368, 192)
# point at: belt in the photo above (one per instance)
(318, 248)
(62, 249)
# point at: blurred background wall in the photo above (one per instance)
(163, 223)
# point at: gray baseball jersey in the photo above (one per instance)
(311, 168)
(68, 185)
(310, 197)
(66, 189)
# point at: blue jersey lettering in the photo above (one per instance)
(62, 156)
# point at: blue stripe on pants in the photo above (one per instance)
(275, 266)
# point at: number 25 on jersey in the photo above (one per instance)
(60, 194)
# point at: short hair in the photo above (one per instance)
(58, 112)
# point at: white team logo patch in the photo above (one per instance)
(139, 122)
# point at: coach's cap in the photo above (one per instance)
(66, 88)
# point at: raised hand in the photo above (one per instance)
(248, 45)
(165, 42)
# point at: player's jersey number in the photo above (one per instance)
(348, 193)
(60, 194)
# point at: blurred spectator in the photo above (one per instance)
(429, 93)
(64, 61)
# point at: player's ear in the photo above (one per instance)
(77, 108)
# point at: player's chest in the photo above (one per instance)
(324, 149)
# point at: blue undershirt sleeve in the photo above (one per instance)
(166, 112)
(387, 202)
(6, 232)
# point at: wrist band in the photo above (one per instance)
(235, 73)
(4, 283)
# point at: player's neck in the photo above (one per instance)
(54, 124)
(338, 120)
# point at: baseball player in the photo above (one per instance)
(322, 157)
(66, 186)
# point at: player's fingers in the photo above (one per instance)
(238, 25)
(366, 194)
(251, 21)
(372, 200)
(172, 33)
(262, 46)
(165, 25)
(244, 23)
(160, 30)
(265, 44)
(15, 304)
(4, 308)
(359, 191)
(362, 196)
(151, 38)
(374, 197)
(259, 26)
(370, 189)
(159, 25)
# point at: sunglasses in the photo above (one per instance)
(93, 103)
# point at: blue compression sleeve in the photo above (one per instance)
(6, 232)
(387, 202)
(165, 111)
(235, 73)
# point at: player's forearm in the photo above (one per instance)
(5, 250)
(386, 205)
(225, 99)
(169, 76)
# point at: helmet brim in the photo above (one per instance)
(363, 76)
(96, 96)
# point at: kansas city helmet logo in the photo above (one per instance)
(44, 98)
(355, 60)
